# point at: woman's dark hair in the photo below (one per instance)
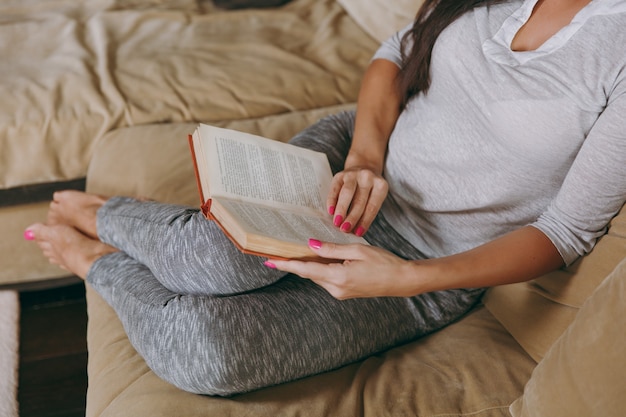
(432, 18)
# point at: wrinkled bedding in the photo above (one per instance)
(74, 70)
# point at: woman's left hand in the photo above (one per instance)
(366, 271)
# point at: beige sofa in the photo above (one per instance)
(125, 82)
(552, 347)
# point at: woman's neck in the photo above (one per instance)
(547, 18)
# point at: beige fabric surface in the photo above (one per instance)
(444, 374)
(21, 261)
(154, 161)
(538, 312)
(74, 70)
(382, 18)
(20, 8)
(583, 374)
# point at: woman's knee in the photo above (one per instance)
(198, 259)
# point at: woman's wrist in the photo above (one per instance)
(370, 159)
(421, 276)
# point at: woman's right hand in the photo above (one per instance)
(356, 195)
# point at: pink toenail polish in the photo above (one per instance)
(346, 227)
(269, 264)
(359, 231)
(29, 235)
(331, 210)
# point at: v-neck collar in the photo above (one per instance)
(499, 46)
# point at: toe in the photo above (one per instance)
(33, 231)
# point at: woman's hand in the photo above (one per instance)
(358, 192)
(366, 271)
(356, 195)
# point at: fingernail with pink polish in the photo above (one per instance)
(346, 227)
(315, 244)
(269, 264)
(331, 210)
(29, 235)
(338, 220)
(359, 231)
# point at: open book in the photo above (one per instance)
(267, 196)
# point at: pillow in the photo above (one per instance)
(583, 372)
(536, 313)
(380, 18)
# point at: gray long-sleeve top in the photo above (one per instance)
(505, 139)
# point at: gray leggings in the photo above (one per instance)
(212, 320)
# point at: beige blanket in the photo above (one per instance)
(74, 70)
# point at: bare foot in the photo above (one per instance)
(65, 246)
(76, 209)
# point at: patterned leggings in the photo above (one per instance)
(214, 321)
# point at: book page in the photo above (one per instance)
(256, 169)
(285, 225)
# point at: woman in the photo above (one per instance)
(489, 147)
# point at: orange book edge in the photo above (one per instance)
(205, 206)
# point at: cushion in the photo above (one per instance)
(154, 161)
(443, 374)
(538, 312)
(380, 18)
(583, 373)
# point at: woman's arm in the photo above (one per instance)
(358, 191)
(521, 255)
(368, 271)
(378, 107)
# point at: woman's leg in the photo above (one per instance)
(231, 344)
(227, 345)
(289, 330)
(284, 331)
(187, 253)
